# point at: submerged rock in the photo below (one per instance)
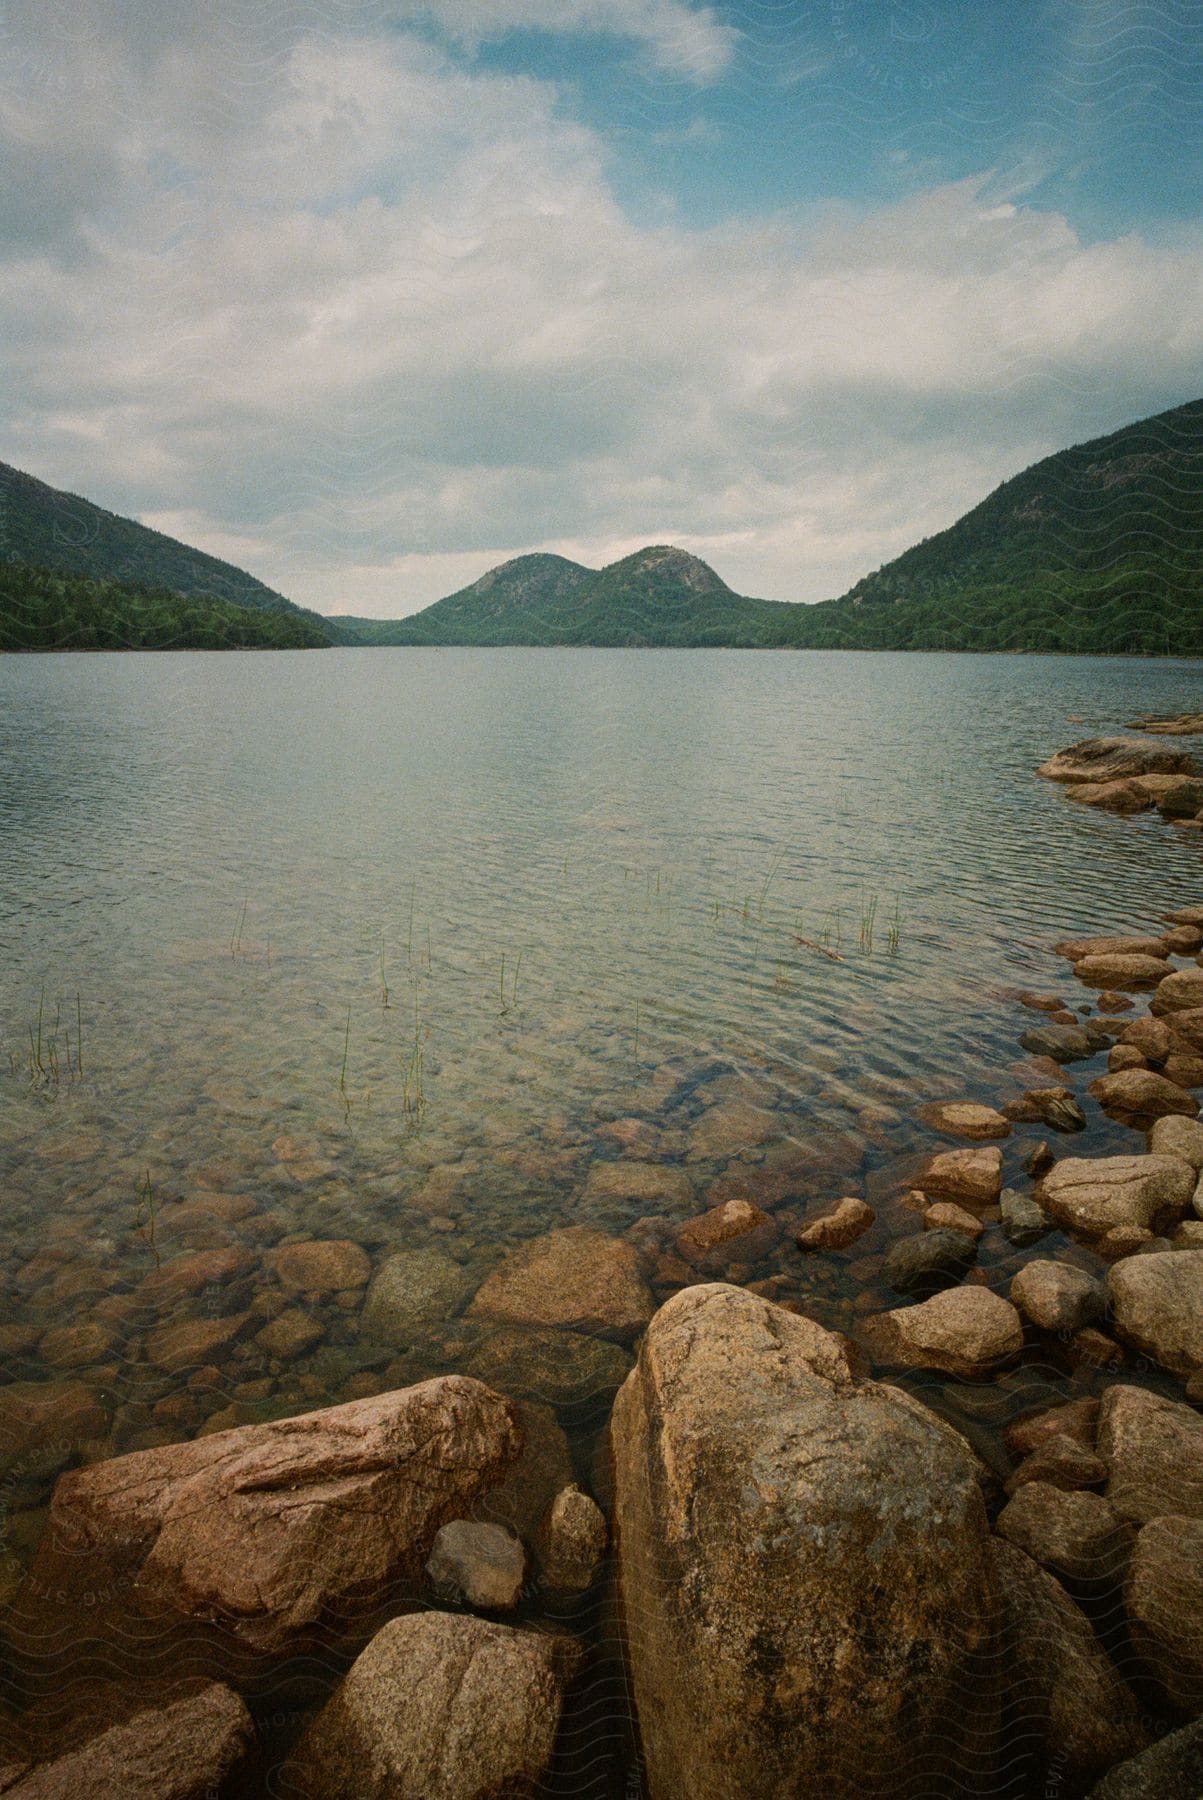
(647, 1184)
(1024, 1220)
(441, 1706)
(928, 1261)
(1057, 1107)
(321, 1266)
(262, 1543)
(766, 1675)
(413, 1294)
(731, 1126)
(1064, 1043)
(290, 1334)
(576, 1279)
(192, 1343)
(564, 1369)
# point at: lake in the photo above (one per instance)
(392, 946)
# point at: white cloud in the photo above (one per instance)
(371, 320)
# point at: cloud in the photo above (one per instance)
(685, 40)
(373, 317)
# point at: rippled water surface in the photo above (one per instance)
(381, 943)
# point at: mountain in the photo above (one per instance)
(1098, 548)
(658, 596)
(45, 529)
(524, 601)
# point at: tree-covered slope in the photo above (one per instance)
(47, 609)
(43, 527)
(1098, 548)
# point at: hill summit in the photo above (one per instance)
(1097, 548)
(660, 595)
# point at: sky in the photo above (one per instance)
(370, 297)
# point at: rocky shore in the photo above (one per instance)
(955, 1547)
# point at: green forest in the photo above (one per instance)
(48, 609)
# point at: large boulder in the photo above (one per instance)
(439, 1706)
(1153, 1449)
(1163, 1597)
(1066, 1704)
(200, 1746)
(260, 1544)
(1093, 1194)
(966, 1331)
(573, 1279)
(1115, 759)
(762, 1492)
(1158, 1304)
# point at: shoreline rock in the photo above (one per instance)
(743, 1426)
(258, 1545)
